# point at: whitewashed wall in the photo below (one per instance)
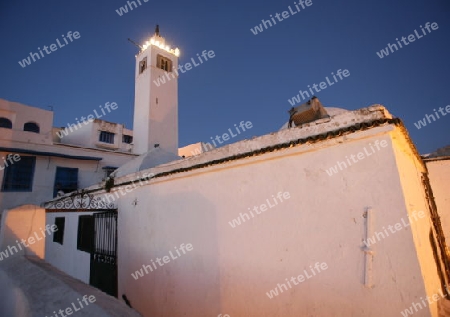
(20, 114)
(89, 172)
(87, 134)
(230, 269)
(410, 169)
(439, 177)
(67, 257)
(28, 223)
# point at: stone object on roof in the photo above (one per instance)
(331, 111)
(310, 111)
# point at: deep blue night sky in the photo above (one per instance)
(252, 76)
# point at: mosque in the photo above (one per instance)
(173, 234)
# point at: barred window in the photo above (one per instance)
(18, 177)
(106, 137)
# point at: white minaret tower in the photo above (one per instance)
(156, 97)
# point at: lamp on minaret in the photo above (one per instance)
(156, 96)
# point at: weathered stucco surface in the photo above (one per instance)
(231, 269)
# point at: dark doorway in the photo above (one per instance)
(104, 253)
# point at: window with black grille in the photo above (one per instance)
(18, 177)
(58, 235)
(106, 137)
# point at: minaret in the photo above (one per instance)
(156, 97)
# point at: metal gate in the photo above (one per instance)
(104, 253)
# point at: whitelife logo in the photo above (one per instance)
(11, 159)
(121, 191)
(263, 207)
(69, 311)
(86, 120)
(417, 306)
(411, 38)
(122, 10)
(165, 260)
(224, 137)
(188, 66)
(393, 228)
(323, 85)
(318, 267)
(356, 158)
(31, 240)
(423, 123)
(27, 61)
(284, 14)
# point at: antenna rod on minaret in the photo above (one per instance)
(140, 47)
(157, 30)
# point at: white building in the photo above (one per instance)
(344, 180)
(99, 134)
(335, 217)
(35, 163)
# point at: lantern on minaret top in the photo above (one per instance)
(159, 41)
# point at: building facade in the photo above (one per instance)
(36, 164)
(333, 218)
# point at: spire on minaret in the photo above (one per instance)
(159, 41)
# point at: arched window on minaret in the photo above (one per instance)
(142, 65)
(164, 63)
